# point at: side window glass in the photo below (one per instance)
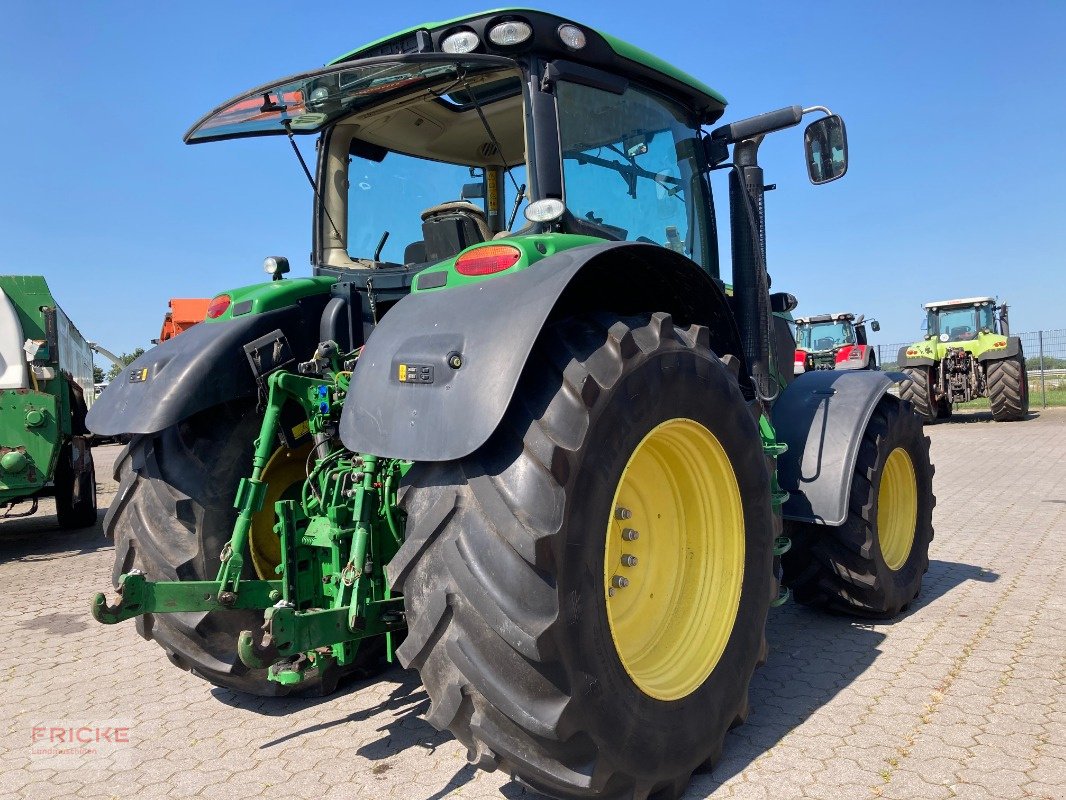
(629, 167)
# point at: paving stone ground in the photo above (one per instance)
(964, 696)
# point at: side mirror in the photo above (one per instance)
(782, 302)
(875, 325)
(825, 142)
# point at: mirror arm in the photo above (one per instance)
(823, 109)
(758, 126)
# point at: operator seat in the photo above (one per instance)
(450, 228)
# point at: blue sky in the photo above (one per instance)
(955, 119)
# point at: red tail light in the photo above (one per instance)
(487, 260)
(218, 306)
(800, 355)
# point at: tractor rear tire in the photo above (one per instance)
(918, 390)
(1008, 389)
(75, 489)
(873, 564)
(506, 570)
(171, 517)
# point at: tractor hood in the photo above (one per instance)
(311, 101)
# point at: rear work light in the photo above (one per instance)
(508, 34)
(218, 306)
(572, 36)
(460, 42)
(487, 260)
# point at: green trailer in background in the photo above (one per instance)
(46, 387)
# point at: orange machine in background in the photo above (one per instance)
(184, 313)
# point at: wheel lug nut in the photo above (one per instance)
(629, 561)
(630, 535)
(610, 591)
(622, 513)
(620, 582)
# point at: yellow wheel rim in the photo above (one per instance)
(284, 473)
(897, 508)
(673, 591)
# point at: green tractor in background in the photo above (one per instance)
(46, 387)
(553, 466)
(967, 353)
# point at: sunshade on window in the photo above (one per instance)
(309, 102)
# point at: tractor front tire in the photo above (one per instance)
(587, 593)
(918, 390)
(171, 517)
(1008, 389)
(873, 564)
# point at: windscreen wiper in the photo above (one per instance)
(629, 172)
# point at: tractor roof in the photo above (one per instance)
(965, 301)
(602, 51)
(840, 316)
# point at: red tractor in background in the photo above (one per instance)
(833, 341)
(184, 313)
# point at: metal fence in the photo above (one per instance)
(1045, 360)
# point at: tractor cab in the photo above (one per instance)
(437, 141)
(459, 151)
(833, 341)
(965, 320)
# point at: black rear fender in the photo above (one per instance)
(203, 367)
(822, 416)
(440, 411)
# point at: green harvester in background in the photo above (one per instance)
(46, 387)
(967, 353)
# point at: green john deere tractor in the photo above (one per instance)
(551, 465)
(967, 353)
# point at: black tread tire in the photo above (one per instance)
(75, 512)
(918, 391)
(499, 570)
(171, 517)
(841, 568)
(1008, 389)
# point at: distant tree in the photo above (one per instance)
(125, 358)
(98, 374)
(1050, 362)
